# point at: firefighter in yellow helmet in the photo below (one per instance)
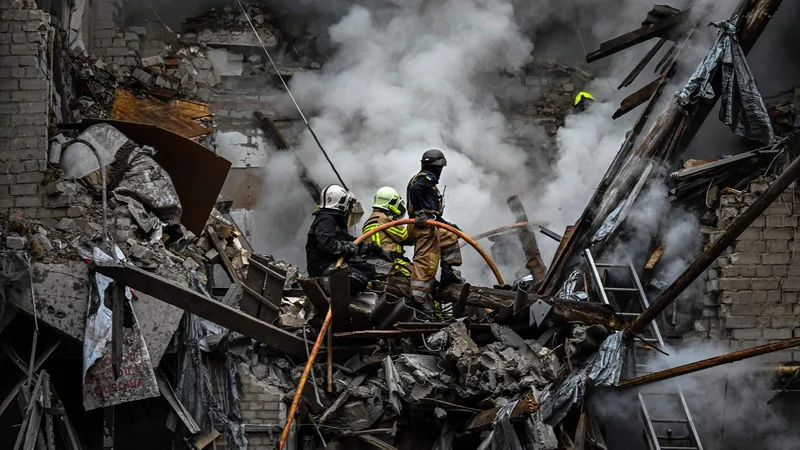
(582, 100)
(387, 207)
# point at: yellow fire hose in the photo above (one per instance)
(326, 324)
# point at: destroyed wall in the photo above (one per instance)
(753, 288)
(24, 92)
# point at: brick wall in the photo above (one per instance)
(261, 404)
(110, 41)
(753, 288)
(24, 92)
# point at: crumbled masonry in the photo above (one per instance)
(140, 309)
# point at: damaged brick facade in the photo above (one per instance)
(753, 288)
(24, 91)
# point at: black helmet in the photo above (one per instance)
(433, 158)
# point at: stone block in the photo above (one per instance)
(780, 333)
(740, 322)
(734, 284)
(58, 201)
(37, 84)
(791, 283)
(785, 322)
(789, 297)
(28, 61)
(9, 85)
(105, 33)
(776, 258)
(34, 177)
(32, 108)
(745, 258)
(750, 234)
(118, 43)
(778, 234)
(774, 221)
(116, 52)
(773, 296)
(24, 49)
(28, 201)
(746, 333)
(746, 310)
(765, 283)
(778, 246)
(779, 309)
(75, 211)
(16, 242)
(23, 189)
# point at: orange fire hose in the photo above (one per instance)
(326, 324)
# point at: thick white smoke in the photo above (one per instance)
(403, 80)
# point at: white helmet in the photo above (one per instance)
(336, 197)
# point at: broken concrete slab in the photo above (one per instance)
(62, 293)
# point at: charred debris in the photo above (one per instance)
(190, 334)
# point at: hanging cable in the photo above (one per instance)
(285, 86)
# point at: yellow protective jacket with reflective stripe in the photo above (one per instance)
(390, 239)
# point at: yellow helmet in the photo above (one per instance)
(388, 199)
(582, 95)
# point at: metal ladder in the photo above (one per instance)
(668, 424)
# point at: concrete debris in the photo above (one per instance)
(16, 242)
(98, 250)
(67, 225)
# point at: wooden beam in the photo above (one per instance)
(314, 294)
(226, 262)
(637, 98)
(710, 362)
(340, 298)
(169, 394)
(562, 310)
(527, 238)
(663, 29)
(36, 365)
(22, 435)
(204, 307)
(280, 142)
(484, 420)
(117, 318)
(642, 64)
(263, 291)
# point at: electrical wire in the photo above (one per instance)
(286, 86)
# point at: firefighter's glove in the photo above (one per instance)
(364, 248)
(384, 255)
(420, 220)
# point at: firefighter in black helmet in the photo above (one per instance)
(432, 245)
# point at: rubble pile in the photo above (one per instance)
(135, 263)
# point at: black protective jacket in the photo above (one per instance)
(328, 240)
(422, 193)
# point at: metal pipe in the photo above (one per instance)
(714, 250)
(326, 324)
(711, 362)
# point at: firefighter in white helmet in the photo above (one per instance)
(328, 240)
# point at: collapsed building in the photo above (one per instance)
(131, 159)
